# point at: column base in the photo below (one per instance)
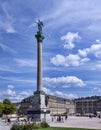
(39, 115)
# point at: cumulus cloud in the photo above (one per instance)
(14, 96)
(60, 94)
(82, 56)
(47, 91)
(71, 96)
(65, 82)
(83, 52)
(70, 60)
(95, 50)
(65, 95)
(9, 92)
(69, 39)
(58, 60)
(98, 41)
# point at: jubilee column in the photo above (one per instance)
(39, 36)
(39, 108)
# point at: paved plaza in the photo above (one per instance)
(4, 126)
(79, 122)
(74, 122)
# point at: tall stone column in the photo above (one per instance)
(39, 102)
(39, 36)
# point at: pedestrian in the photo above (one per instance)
(66, 117)
(9, 120)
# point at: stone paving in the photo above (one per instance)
(4, 126)
(74, 122)
(79, 122)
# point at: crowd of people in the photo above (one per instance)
(59, 118)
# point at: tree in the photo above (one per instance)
(1, 107)
(8, 107)
(6, 101)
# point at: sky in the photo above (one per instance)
(71, 48)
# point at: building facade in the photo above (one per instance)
(88, 106)
(56, 105)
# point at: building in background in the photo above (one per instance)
(81, 107)
(56, 105)
(88, 106)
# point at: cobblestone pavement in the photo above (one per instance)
(79, 122)
(4, 126)
(74, 122)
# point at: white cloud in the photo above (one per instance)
(58, 60)
(9, 92)
(65, 95)
(98, 66)
(14, 96)
(83, 52)
(95, 50)
(93, 83)
(98, 41)
(47, 91)
(7, 23)
(97, 89)
(10, 68)
(74, 14)
(69, 39)
(65, 82)
(10, 28)
(71, 96)
(70, 60)
(60, 94)
(26, 62)
(10, 87)
(82, 57)
(75, 60)
(6, 48)
(16, 79)
(7, 26)
(24, 93)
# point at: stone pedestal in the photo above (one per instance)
(39, 110)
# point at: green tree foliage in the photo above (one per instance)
(6, 101)
(8, 107)
(1, 107)
(33, 126)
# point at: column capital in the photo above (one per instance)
(39, 36)
(39, 92)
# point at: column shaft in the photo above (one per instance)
(39, 66)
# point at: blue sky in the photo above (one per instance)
(71, 48)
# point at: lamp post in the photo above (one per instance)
(45, 115)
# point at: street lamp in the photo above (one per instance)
(45, 115)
